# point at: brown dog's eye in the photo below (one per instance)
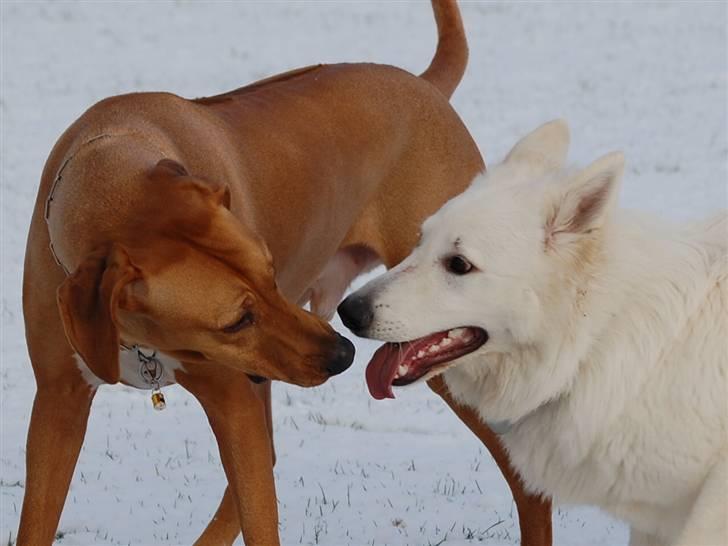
(242, 322)
(458, 265)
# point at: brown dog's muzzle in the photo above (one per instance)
(299, 347)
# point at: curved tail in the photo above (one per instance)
(451, 57)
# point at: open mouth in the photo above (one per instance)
(399, 364)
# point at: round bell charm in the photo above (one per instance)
(158, 400)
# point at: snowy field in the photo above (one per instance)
(649, 79)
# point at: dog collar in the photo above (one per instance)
(151, 371)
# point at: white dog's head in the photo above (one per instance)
(495, 266)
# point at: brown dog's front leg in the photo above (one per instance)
(57, 429)
(237, 416)
(534, 511)
(224, 527)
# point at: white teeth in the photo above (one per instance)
(402, 370)
(457, 332)
(445, 342)
(432, 349)
(420, 354)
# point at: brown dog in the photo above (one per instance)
(171, 239)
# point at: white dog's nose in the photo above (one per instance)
(356, 313)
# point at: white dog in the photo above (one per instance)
(596, 338)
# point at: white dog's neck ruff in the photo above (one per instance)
(506, 425)
(500, 427)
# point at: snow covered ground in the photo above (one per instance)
(648, 78)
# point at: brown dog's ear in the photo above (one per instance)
(224, 196)
(169, 168)
(88, 301)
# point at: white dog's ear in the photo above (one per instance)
(544, 149)
(584, 201)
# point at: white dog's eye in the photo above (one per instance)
(458, 265)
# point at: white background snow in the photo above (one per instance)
(647, 78)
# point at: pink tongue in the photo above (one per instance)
(381, 370)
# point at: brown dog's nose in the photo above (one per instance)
(343, 356)
(356, 313)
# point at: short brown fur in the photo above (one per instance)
(174, 216)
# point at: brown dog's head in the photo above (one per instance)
(190, 280)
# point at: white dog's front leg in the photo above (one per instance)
(707, 523)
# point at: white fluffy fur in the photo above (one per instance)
(608, 341)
